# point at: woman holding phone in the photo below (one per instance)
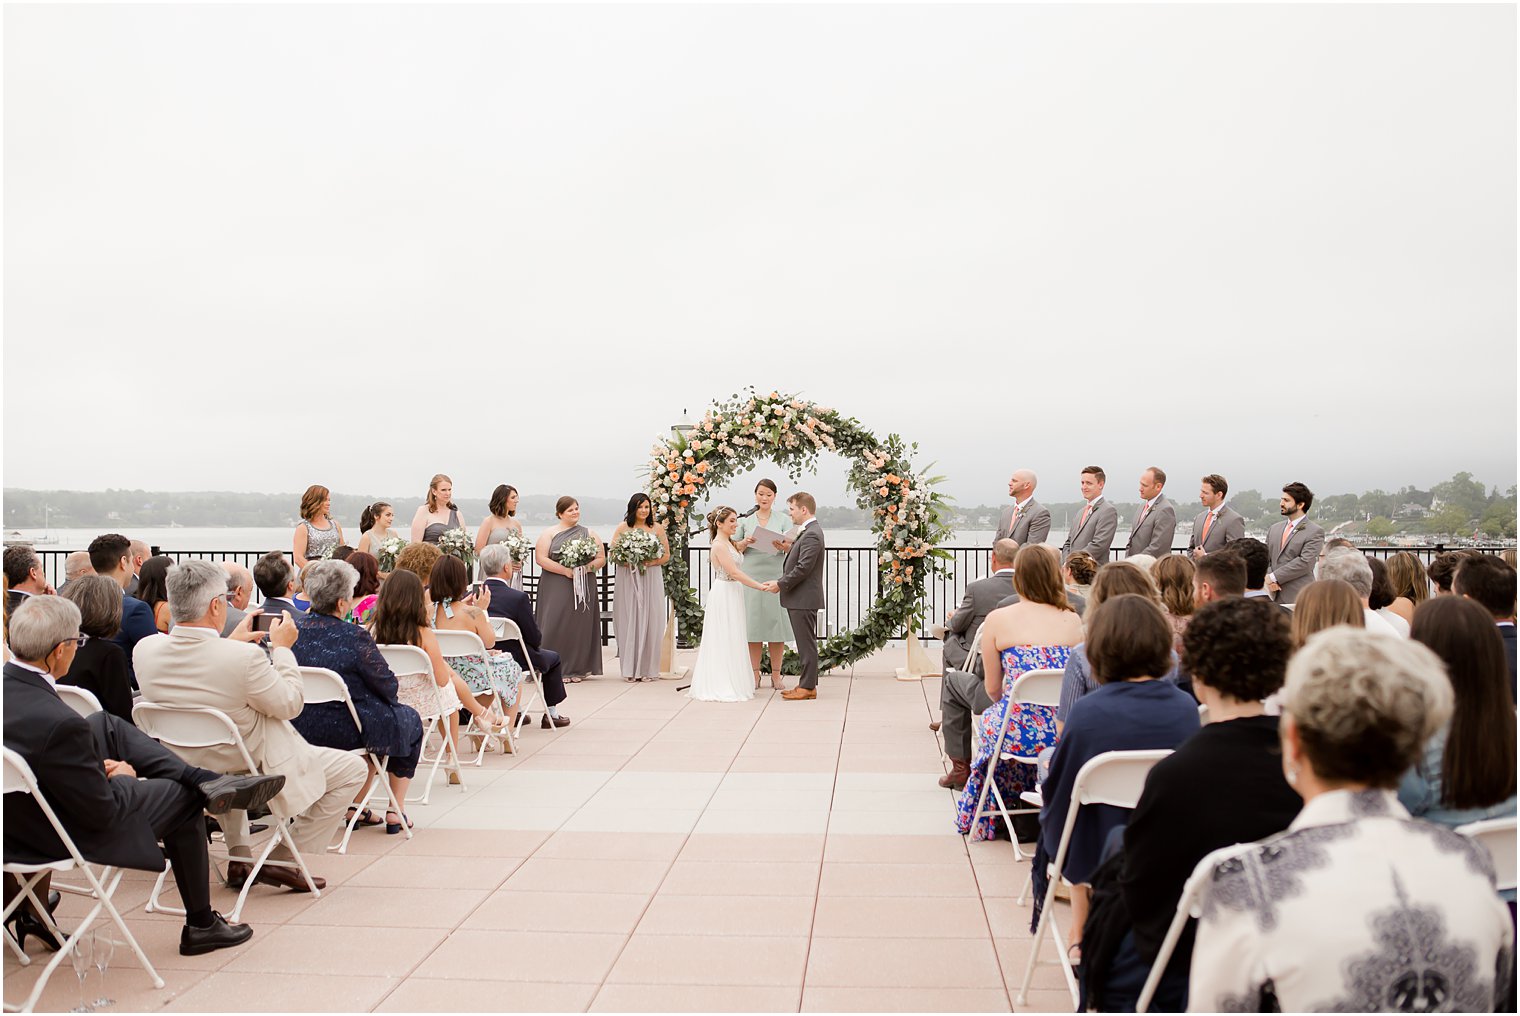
(766, 621)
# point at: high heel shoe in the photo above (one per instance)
(22, 924)
(394, 828)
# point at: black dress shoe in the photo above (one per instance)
(228, 793)
(221, 935)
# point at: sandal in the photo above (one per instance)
(394, 828)
(1074, 955)
(366, 817)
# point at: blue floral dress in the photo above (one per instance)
(494, 673)
(1032, 729)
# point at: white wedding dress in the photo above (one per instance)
(723, 673)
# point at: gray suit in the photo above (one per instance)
(982, 597)
(1293, 566)
(234, 618)
(1153, 534)
(801, 585)
(1032, 525)
(1228, 525)
(1096, 535)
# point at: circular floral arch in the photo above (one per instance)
(736, 434)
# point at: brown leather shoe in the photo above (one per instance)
(287, 878)
(934, 726)
(550, 722)
(960, 772)
(800, 694)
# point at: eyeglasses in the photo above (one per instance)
(78, 640)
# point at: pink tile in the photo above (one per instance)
(573, 845)
(425, 994)
(472, 842)
(822, 999)
(904, 963)
(130, 987)
(313, 949)
(694, 998)
(899, 917)
(848, 848)
(524, 956)
(745, 763)
(756, 847)
(867, 879)
(360, 906)
(741, 878)
(420, 872)
(712, 959)
(553, 874)
(270, 992)
(589, 913)
(746, 916)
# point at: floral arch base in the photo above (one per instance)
(735, 435)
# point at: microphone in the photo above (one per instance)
(745, 515)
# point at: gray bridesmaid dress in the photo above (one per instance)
(499, 535)
(574, 633)
(638, 617)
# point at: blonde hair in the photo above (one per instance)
(1407, 576)
(1325, 604)
(716, 518)
(418, 558)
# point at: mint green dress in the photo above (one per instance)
(765, 620)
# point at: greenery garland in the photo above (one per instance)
(907, 514)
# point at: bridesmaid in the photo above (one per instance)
(313, 540)
(573, 632)
(766, 622)
(438, 514)
(498, 524)
(638, 604)
(375, 527)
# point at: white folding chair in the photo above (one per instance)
(1498, 835)
(508, 631)
(403, 659)
(1187, 907)
(322, 685)
(976, 643)
(19, 779)
(466, 643)
(81, 700)
(1033, 688)
(189, 728)
(1114, 778)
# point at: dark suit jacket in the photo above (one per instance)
(801, 578)
(13, 599)
(1507, 632)
(516, 605)
(100, 668)
(103, 817)
(275, 603)
(136, 624)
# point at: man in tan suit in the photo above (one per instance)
(194, 666)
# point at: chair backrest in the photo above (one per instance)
(322, 685)
(407, 659)
(1116, 777)
(19, 779)
(1038, 688)
(459, 643)
(508, 631)
(81, 700)
(190, 727)
(1498, 835)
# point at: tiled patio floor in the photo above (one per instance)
(658, 854)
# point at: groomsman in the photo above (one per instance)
(1026, 520)
(1095, 527)
(1217, 524)
(1156, 521)
(1293, 545)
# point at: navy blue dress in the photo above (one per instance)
(1122, 716)
(390, 728)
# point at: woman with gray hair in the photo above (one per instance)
(390, 728)
(100, 666)
(1356, 907)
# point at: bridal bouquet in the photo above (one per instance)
(388, 551)
(457, 543)
(518, 545)
(576, 554)
(636, 548)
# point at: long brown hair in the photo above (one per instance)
(1325, 604)
(1478, 765)
(432, 497)
(368, 567)
(312, 500)
(1174, 575)
(400, 611)
(1037, 578)
(1120, 578)
(1407, 576)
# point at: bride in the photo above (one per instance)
(723, 672)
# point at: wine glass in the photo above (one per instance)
(81, 957)
(105, 946)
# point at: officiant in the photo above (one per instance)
(766, 620)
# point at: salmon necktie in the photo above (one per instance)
(1206, 524)
(1083, 520)
(1287, 532)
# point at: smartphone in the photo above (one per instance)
(476, 587)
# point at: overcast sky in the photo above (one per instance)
(257, 248)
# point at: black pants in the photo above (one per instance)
(546, 662)
(805, 628)
(167, 796)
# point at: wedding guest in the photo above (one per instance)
(501, 523)
(367, 589)
(438, 514)
(391, 729)
(1078, 572)
(638, 605)
(1443, 568)
(492, 678)
(1489, 581)
(514, 604)
(1117, 578)
(277, 582)
(1411, 586)
(767, 625)
(1380, 599)
(1323, 604)
(100, 666)
(152, 590)
(983, 596)
(1220, 576)
(1378, 911)
(341, 552)
(239, 591)
(110, 556)
(1036, 633)
(1142, 561)
(139, 552)
(1467, 769)
(1350, 566)
(23, 576)
(1254, 553)
(76, 565)
(570, 619)
(375, 527)
(318, 533)
(1129, 645)
(1173, 575)
(419, 558)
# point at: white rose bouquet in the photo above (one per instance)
(388, 551)
(518, 545)
(576, 553)
(457, 543)
(635, 548)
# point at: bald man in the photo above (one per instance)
(75, 565)
(139, 552)
(1026, 520)
(239, 591)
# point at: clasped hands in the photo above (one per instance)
(770, 587)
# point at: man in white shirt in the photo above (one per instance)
(1094, 529)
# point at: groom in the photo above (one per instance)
(801, 589)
